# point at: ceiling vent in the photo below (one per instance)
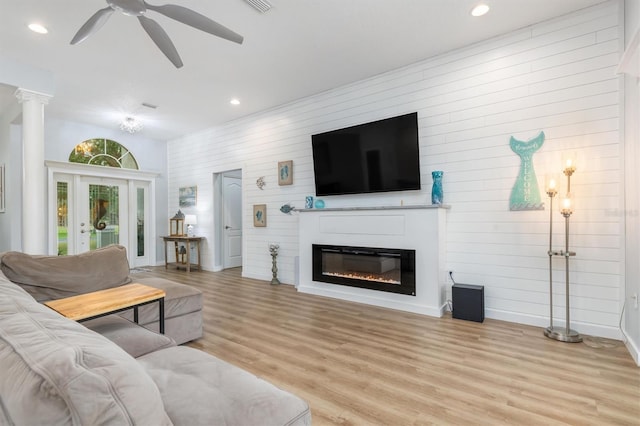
(260, 5)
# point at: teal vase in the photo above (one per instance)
(436, 189)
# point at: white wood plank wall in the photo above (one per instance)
(557, 77)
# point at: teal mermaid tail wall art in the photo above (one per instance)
(525, 194)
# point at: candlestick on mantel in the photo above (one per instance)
(273, 250)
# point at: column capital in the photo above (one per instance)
(24, 95)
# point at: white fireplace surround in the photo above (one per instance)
(420, 228)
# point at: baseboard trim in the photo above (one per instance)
(632, 347)
(543, 322)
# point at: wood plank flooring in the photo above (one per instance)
(361, 365)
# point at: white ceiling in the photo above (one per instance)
(298, 48)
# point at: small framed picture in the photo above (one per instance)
(260, 215)
(188, 196)
(285, 172)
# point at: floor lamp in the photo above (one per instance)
(563, 334)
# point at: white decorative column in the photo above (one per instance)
(34, 191)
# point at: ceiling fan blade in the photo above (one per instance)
(161, 39)
(196, 20)
(92, 25)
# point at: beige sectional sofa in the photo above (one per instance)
(110, 371)
(56, 277)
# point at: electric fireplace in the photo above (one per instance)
(383, 269)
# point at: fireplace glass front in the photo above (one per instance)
(383, 269)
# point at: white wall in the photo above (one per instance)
(10, 220)
(631, 322)
(558, 76)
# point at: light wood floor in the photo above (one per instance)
(362, 365)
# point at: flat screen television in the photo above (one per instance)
(380, 156)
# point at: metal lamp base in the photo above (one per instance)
(560, 333)
(275, 281)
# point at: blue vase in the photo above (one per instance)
(308, 202)
(436, 189)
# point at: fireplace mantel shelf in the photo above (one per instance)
(343, 209)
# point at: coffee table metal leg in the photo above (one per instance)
(161, 308)
(135, 314)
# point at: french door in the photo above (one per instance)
(94, 211)
(102, 214)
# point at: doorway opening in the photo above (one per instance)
(228, 219)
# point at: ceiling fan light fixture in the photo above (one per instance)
(131, 125)
(261, 6)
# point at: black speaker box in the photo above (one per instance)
(468, 302)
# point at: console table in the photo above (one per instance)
(188, 242)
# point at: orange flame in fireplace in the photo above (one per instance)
(364, 277)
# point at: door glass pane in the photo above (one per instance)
(62, 217)
(104, 208)
(140, 221)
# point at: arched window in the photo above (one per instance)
(103, 152)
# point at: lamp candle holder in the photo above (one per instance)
(568, 171)
(563, 334)
(273, 250)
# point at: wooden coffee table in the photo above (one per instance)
(110, 301)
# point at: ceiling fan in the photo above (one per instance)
(139, 9)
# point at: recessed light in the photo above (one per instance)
(37, 28)
(479, 10)
(234, 101)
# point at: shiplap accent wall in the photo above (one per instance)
(557, 77)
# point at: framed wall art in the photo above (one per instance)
(188, 196)
(285, 172)
(260, 215)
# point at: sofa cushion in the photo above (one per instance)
(182, 310)
(56, 371)
(180, 299)
(200, 389)
(134, 339)
(182, 329)
(56, 277)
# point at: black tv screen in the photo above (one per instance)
(379, 156)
